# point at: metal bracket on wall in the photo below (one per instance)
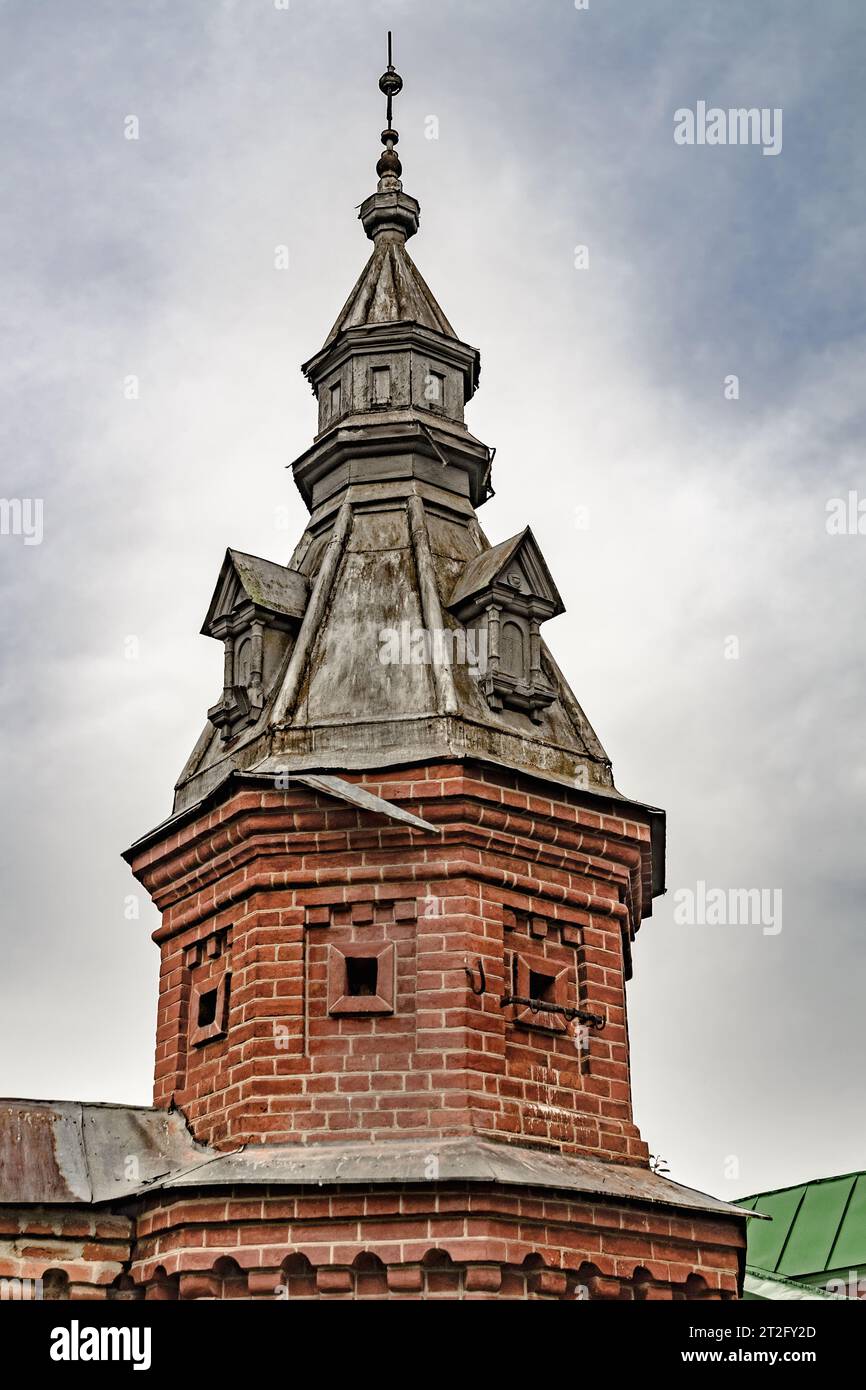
(539, 1006)
(470, 975)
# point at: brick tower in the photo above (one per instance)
(399, 890)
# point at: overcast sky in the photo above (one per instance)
(603, 389)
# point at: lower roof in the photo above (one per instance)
(61, 1152)
(817, 1227)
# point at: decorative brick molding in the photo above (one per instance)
(423, 1242)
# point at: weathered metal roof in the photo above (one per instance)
(337, 704)
(818, 1228)
(271, 585)
(458, 1160)
(55, 1152)
(391, 289)
(392, 545)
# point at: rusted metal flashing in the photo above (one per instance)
(57, 1152)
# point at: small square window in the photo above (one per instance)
(362, 973)
(542, 987)
(208, 1008)
(361, 978)
(544, 982)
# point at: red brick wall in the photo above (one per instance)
(90, 1250)
(422, 1240)
(271, 883)
(425, 1241)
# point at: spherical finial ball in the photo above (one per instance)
(389, 163)
(390, 83)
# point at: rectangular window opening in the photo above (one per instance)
(381, 385)
(362, 976)
(541, 987)
(335, 399)
(207, 1008)
(434, 390)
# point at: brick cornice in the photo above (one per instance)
(495, 1242)
(267, 824)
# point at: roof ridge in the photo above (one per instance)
(806, 1182)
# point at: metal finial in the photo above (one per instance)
(390, 83)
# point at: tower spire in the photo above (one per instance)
(389, 209)
(389, 167)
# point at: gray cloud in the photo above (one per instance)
(601, 388)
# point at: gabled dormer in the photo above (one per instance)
(256, 609)
(506, 593)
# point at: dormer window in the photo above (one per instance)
(255, 612)
(512, 650)
(244, 662)
(506, 594)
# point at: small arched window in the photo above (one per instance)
(244, 663)
(512, 650)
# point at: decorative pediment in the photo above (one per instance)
(248, 581)
(507, 592)
(255, 612)
(514, 571)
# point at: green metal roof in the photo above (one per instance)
(818, 1229)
